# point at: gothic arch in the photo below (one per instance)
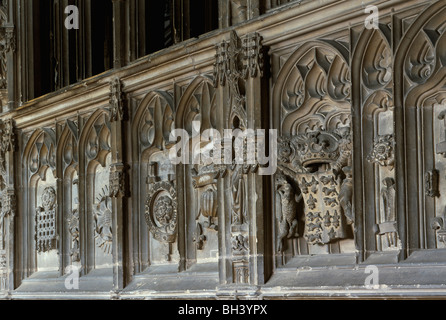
(197, 180)
(420, 74)
(312, 110)
(290, 95)
(152, 123)
(39, 159)
(95, 214)
(68, 199)
(372, 100)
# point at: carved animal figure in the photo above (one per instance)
(314, 226)
(330, 202)
(287, 220)
(329, 191)
(346, 194)
(313, 215)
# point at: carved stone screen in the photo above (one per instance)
(268, 150)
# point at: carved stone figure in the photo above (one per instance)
(287, 219)
(238, 198)
(346, 195)
(240, 244)
(73, 228)
(388, 227)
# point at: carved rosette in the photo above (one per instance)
(383, 151)
(161, 211)
(46, 221)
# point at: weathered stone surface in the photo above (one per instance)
(90, 191)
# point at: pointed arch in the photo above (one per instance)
(414, 120)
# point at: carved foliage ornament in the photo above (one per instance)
(161, 211)
(238, 58)
(7, 136)
(7, 45)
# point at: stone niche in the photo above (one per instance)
(314, 213)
